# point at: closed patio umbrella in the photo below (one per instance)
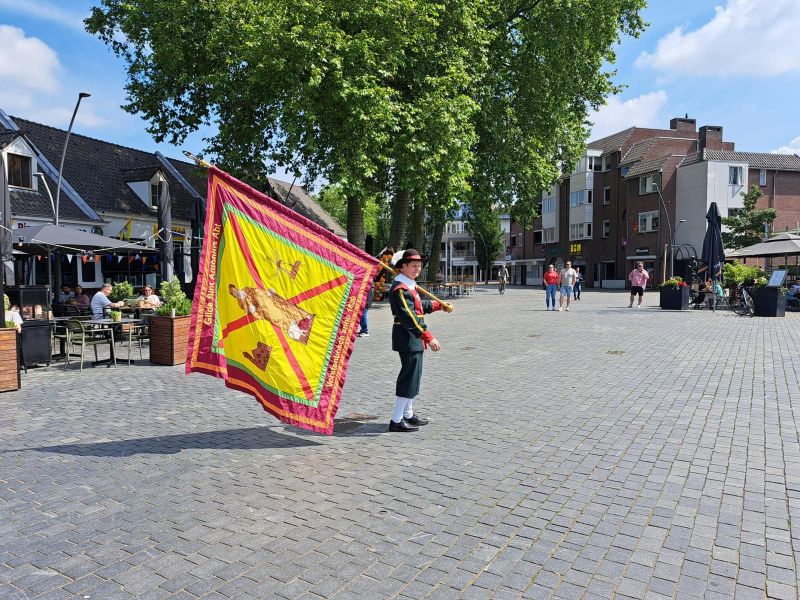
(5, 231)
(713, 254)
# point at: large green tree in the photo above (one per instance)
(546, 72)
(746, 227)
(432, 99)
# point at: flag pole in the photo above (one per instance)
(198, 161)
(420, 288)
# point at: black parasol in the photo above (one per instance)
(713, 253)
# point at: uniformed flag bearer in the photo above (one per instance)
(410, 337)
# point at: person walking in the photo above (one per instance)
(551, 283)
(566, 280)
(410, 337)
(638, 278)
(576, 291)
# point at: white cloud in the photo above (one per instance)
(46, 11)
(792, 148)
(31, 83)
(28, 63)
(746, 37)
(616, 115)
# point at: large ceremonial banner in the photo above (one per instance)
(277, 304)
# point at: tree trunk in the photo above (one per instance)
(397, 234)
(436, 250)
(416, 237)
(355, 222)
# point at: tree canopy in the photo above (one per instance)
(443, 100)
(746, 226)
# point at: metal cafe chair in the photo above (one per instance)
(82, 335)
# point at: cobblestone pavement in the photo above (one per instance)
(603, 452)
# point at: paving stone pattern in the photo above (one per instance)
(603, 452)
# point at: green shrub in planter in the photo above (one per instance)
(173, 298)
(121, 291)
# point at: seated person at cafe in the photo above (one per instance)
(705, 290)
(149, 298)
(705, 293)
(66, 294)
(12, 314)
(100, 302)
(81, 299)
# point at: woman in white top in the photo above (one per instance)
(149, 298)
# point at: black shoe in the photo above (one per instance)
(417, 421)
(403, 425)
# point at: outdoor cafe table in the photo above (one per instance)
(108, 324)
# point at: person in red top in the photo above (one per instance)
(638, 278)
(551, 283)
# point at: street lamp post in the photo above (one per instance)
(40, 175)
(81, 96)
(672, 249)
(669, 224)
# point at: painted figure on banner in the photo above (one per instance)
(260, 355)
(268, 305)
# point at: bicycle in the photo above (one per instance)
(743, 303)
(502, 285)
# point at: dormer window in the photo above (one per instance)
(19, 171)
(154, 189)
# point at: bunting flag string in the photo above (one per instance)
(277, 304)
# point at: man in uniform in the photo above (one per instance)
(410, 337)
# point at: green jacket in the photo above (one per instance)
(409, 332)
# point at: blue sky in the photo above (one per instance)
(734, 63)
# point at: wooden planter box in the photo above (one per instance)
(169, 338)
(675, 298)
(9, 363)
(769, 302)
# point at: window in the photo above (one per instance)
(732, 212)
(648, 221)
(537, 236)
(649, 183)
(154, 190)
(19, 171)
(735, 175)
(580, 231)
(549, 205)
(589, 196)
(607, 195)
(606, 229)
(606, 162)
(549, 235)
(88, 273)
(513, 241)
(578, 198)
(762, 177)
(624, 171)
(595, 163)
(539, 208)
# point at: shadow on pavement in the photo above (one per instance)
(250, 438)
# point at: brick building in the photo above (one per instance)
(638, 191)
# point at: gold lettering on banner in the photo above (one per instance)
(211, 277)
(339, 344)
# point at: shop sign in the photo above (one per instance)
(642, 251)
